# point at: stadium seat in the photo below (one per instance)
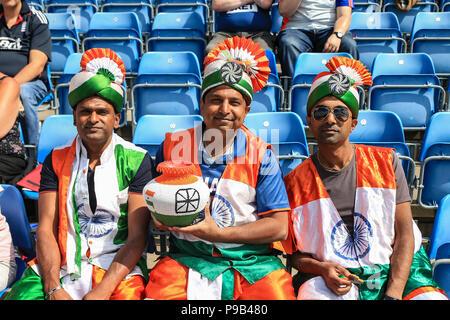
(271, 97)
(445, 5)
(65, 39)
(434, 181)
(71, 67)
(199, 6)
(38, 4)
(142, 8)
(431, 35)
(406, 84)
(384, 129)
(151, 130)
(13, 208)
(406, 19)
(284, 131)
(167, 83)
(178, 31)
(439, 234)
(366, 6)
(119, 31)
(441, 268)
(376, 33)
(307, 66)
(49, 97)
(83, 10)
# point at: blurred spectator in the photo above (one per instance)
(25, 49)
(13, 163)
(7, 263)
(314, 26)
(243, 18)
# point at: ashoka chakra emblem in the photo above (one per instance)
(231, 72)
(339, 83)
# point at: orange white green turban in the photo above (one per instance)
(102, 73)
(341, 81)
(238, 63)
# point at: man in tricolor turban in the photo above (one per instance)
(352, 233)
(229, 254)
(93, 219)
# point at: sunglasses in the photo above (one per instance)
(340, 113)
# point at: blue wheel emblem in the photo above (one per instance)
(96, 226)
(222, 212)
(350, 248)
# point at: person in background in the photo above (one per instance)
(8, 267)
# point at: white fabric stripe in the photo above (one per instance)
(201, 288)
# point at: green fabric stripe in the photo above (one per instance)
(76, 223)
(227, 284)
(323, 90)
(128, 162)
(29, 287)
(97, 85)
(253, 262)
(215, 79)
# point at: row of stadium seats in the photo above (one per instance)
(170, 83)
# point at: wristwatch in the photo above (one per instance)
(338, 34)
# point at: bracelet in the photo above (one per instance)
(52, 292)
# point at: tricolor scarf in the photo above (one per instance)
(318, 229)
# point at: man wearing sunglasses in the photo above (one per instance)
(352, 229)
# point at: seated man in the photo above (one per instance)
(243, 18)
(351, 217)
(93, 219)
(314, 26)
(25, 49)
(228, 255)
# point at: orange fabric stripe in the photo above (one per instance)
(62, 160)
(168, 281)
(375, 167)
(128, 289)
(421, 290)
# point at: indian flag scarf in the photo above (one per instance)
(318, 229)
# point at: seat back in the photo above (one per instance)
(71, 67)
(167, 83)
(83, 10)
(142, 8)
(440, 235)
(441, 267)
(57, 130)
(284, 131)
(151, 129)
(406, 84)
(366, 6)
(199, 6)
(13, 208)
(119, 31)
(375, 33)
(65, 38)
(179, 31)
(431, 34)
(435, 155)
(307, 66)
(406, 19)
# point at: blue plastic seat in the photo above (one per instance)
(445, 5)
(119, 31)
(376, 33)
(307, 66)
(441, 268)
(435, 155)
(83, 10)
(384, 129)
(431, 35)
(167, 83)
(199, 6)
(368, 6)
(179, 31)
(284, 131)
(13, 208)
(439, 234)
(151, 129)
(65, 39)
(406, 19)
(270, 98)
(406, 84)
(38, 4)
(142, 8)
